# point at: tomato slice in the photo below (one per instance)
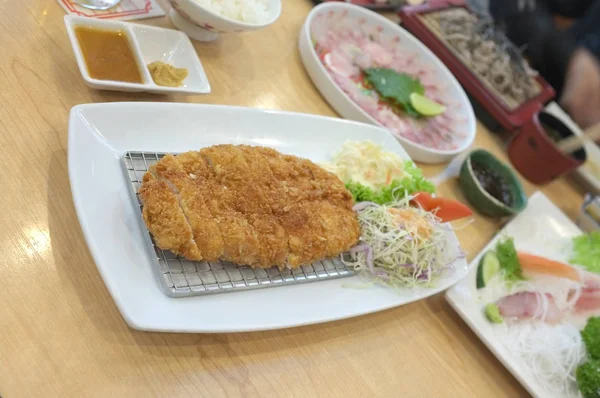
(446, 209)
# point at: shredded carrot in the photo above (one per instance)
(411, 216)
(388, 178)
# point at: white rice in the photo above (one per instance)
(248, 11)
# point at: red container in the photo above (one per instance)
(370, 4)
(509, 119)
(535, 155)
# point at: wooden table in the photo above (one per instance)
(60, 331)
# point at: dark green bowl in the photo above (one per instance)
(479, 198)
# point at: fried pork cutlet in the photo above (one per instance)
(166, 220)
(247, 205)
(204, 227)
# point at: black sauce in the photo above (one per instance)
(493, 183)
(552, 133)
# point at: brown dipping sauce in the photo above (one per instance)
(108, 55)
(493, 183)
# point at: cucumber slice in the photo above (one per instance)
(488, 267)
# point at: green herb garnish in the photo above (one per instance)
(509, 262)
(395, 87)
(588, 374)
(586, 250)
(588, 379)
(591, 337)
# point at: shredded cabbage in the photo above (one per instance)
(401, 246)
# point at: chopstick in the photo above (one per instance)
(575, 142)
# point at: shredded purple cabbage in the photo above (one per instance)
(368, 250)
(363, 205)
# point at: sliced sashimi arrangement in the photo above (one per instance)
(390, 83)
(538, 305)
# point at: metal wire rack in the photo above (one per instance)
(182, 278)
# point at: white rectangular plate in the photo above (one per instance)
(99, 134)
(541, 229)
(148, 44)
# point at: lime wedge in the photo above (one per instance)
(425, 106)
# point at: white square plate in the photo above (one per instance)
(148, 44)
(541, 229)
(99, 134)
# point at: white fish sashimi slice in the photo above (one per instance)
(590, 296)
(348, 86)
(530, 305)
(339, 64)
(590, 280)
(380, 55)
(588, 301)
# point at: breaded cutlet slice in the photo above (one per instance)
(165, 218)
(311, 235)
(261, 175)
(274, 239)
(191, 198)
(262, 231)
(306, 237)
(340, 226)
(306, 180)
(294, 186)
(240, 244)
(194, 165)
(244, 195)
(231, 170)
(334, 210)
(327, 184)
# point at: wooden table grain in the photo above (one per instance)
(61, 334)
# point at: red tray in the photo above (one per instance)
(370, 4)
(511, 120)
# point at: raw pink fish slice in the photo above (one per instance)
(529, 305)
(590, 297)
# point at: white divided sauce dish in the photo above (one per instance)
(149, 44)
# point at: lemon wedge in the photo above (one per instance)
(425, 106)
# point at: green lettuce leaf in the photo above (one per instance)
(397, 189)
(586, 251)
(509, 262)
